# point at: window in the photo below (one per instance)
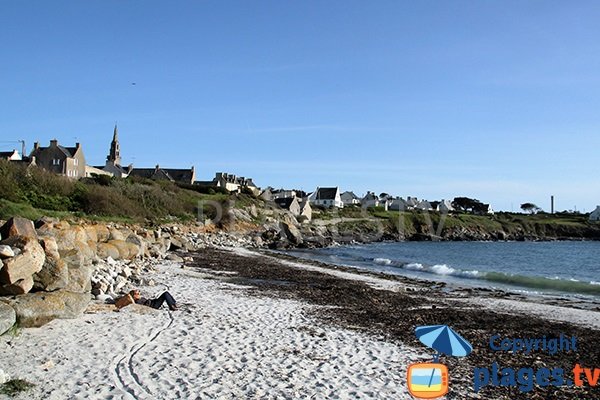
(76, 161)
(56, 161)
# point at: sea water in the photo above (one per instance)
(568, 268)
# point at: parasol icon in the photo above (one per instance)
(444, 340)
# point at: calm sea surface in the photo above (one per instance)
(569, 268)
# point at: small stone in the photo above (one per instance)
(6, 251)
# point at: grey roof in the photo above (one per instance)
(68, 151)
(6, 154)
(326, 193)
(174, 175)
(285, 202)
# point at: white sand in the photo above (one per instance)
(222, 344)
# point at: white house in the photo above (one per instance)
(595, 215)
(327, 197)
(350, 199)
(10, 155)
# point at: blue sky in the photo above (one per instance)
(497, 100)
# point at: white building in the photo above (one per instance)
(327, 197)
(595, 215)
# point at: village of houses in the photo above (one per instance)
(71, 162)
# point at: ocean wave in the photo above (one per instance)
(533, 282)
(382, 261)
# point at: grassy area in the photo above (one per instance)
(33, 193)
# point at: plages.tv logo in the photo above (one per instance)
(430, 380)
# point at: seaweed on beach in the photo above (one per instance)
(15, 386)
(395, 314)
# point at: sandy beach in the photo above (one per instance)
(261, 327)
(221, 344)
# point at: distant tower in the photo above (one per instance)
(114, 156)
(551, 204)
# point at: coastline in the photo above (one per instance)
(253, 325)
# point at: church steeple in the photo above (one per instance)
(115, 150)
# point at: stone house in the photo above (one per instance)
(300, 208)
(230, 182)
(67, 161)
(327, 197)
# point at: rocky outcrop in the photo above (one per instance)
(8, 317)
(37, 309)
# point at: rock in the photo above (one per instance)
(4, 377)
(45, 224)
(21, 286)
(79, 270)
(18, 226)
(107, 250)
(53, 276)
(174, 257)
(6, 251)
(8, 317)
(24, 265)
(292, 233)
(126, 272)
(115, 234)
(37, 309)
(104, 298)
(91, 233)
(50, 247)
(139, 242)
(68, 239)
(102, 233)
(127, 250)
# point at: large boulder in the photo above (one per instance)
(91, 233)
(139, 242)
(127, 250)
(21, 286)
(24, 265)
(8, 317)
(70, 238)
(106, 250)
(102, 233)
(79, 270)
(292, 233)
(50, 247)
(18, 226)
(53, 276)
(37, 309)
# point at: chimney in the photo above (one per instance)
(77, 145)
(53, 143)
(36, 146)
(156, 168)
